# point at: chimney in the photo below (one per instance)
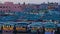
(24, 3)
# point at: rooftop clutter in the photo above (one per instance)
(29, 12)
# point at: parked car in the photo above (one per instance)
(50, 28)
(8, 27)
(22, 27)
(1, 24)
(36, 27)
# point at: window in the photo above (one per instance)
(3, 6)
(19, 6)
(9, 10)
(0, 6)
(15, 7)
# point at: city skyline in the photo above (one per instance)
(29, 1)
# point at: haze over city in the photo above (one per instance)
(29, 1)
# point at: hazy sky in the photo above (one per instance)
(30, 1)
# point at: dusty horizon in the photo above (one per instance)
(29, 1)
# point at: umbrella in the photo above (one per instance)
(49, 25)
(38, 24)
(58, 25)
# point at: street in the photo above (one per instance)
(14, 33)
